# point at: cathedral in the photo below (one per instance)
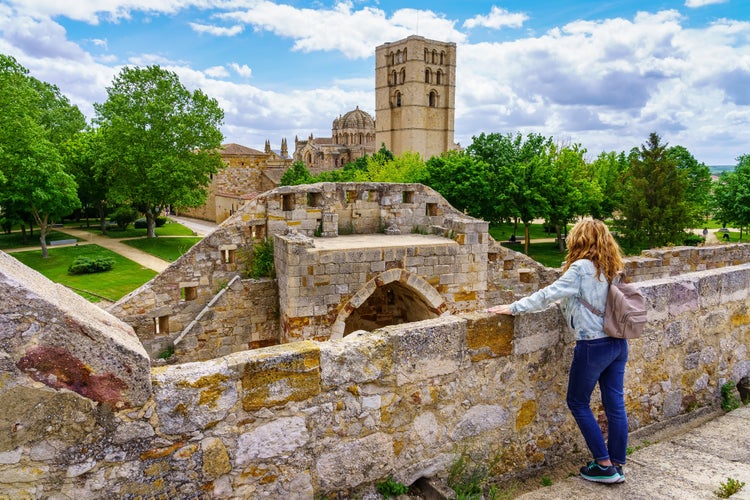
(415, 88)
(352, 136)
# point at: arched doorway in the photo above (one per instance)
(394, 297)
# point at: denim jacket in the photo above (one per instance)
(578, 281)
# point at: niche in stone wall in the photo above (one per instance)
(351, 196)
(408, 197)
(314, 199)
(287, 202)
(431, 210)
(390, 304)
(161, 325)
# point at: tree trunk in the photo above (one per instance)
(560, 241)
(526, 241)
(150, 224)
(102, 218)
(43, 230)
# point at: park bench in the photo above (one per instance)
(62, 242)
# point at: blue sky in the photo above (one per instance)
(603, 74)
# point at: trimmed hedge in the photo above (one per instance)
(87, 265)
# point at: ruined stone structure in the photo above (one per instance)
(83, 418)
(347, 256)
(415, 96)
(247, 173)
(352, 137)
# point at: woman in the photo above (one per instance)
(593, 261)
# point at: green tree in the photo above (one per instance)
(698, 189)
(654, 208)
(568, 191)
(36, 118)
(409, 167)
(463, 181)
(519, 168)
(80, 155)
(606, 174)
(159, 140)
(296, 174)
(732, 195)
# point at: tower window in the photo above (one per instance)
(433, 99)
(403, 76)
(439, 77)
(427, 76)
(398, 99)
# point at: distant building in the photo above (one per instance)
(415, 100)
(352, 136)
(415, 96)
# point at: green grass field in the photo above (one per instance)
(169, 249)
(168, 229)
(125, 277)
(15, 239)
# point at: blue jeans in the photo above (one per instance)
(603, 361)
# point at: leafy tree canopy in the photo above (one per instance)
(159, 140)
(36, 119)
(655, 211)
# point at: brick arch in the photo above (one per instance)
(417, 286)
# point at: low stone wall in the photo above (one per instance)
(308, 419)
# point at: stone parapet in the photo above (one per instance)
(312, 419)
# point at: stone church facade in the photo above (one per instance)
(352, 137)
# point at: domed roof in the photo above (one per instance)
(355, 119)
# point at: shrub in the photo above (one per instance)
(262, 264)
(142, 223)
(729, 400)
(390, 488)
(87, 265)
(692, 240)
(124, 216)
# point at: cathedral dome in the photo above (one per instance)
(355, 119)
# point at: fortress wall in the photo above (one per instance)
(308, 419)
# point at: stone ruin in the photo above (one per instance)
(368, 356)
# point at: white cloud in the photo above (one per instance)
(496, 19)
(702, 3)
(217, 30)
(609, 83)
(242, 70)
(356, 33)
(93, 11)
(217, 72)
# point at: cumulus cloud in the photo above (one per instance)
(242, 70)
(496, 19)
(217, 72)
(217, 30)
(702, 3)
(357, 31)
(93, 11)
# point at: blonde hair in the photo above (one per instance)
(591, 239)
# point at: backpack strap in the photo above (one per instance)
(591, 308)
(619, 277)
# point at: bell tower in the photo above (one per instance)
(415, 96)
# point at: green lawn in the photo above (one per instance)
(169, 249)
(171, 228)
(125, 277)
(501, 232)
(15, 240)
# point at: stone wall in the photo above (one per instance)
(308, 419)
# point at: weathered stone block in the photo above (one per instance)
(277, 375)
(488, 336)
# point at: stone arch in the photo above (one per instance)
(425, 301)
